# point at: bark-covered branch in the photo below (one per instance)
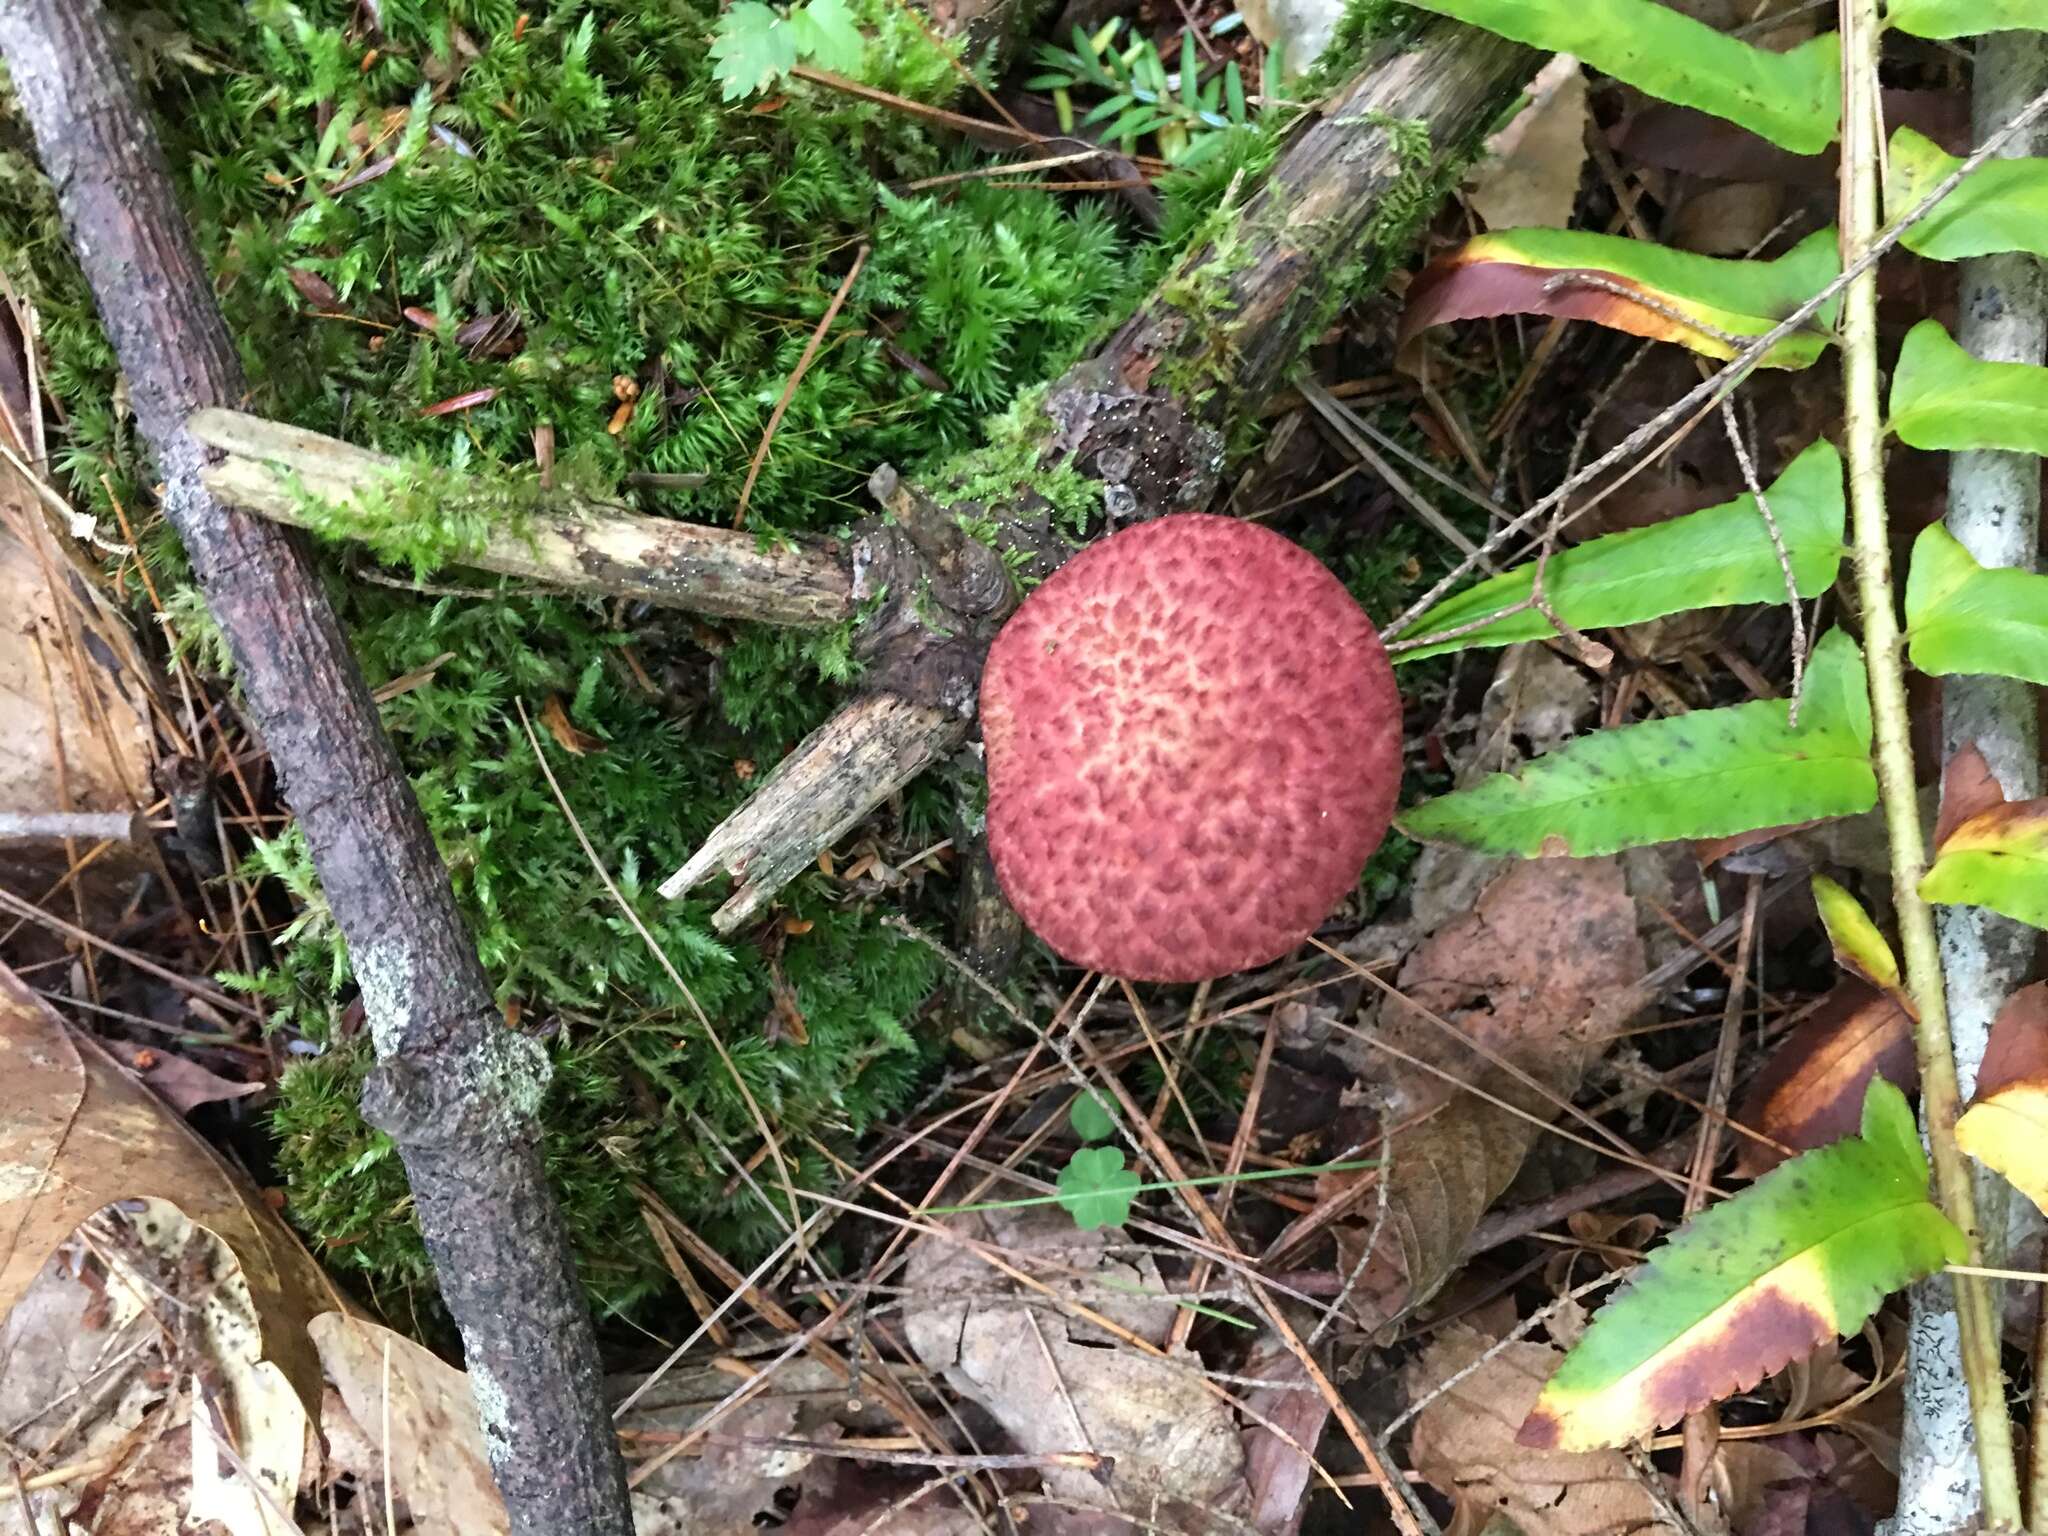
(456, 1090)
(1146, 419)
(571, 542)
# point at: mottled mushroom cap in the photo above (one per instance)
(1194, 744)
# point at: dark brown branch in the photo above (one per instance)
(1146, 418)
(456, 1090)
(574, 543)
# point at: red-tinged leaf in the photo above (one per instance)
(1968, 788)
(1810, 1092)
(2007, 1123)
(425, 319)
(455, 403)
(1707, 303)
(1997, 859)
(313, 288)
(1802, 1256)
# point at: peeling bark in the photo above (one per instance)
(456, 1090)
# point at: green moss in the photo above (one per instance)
(577, 174)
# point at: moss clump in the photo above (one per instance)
(554, 213)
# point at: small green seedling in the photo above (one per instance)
(1096, 1188)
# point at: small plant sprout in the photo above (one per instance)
(1194, 744)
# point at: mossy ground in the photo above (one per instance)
(574, 171)
(656, 261)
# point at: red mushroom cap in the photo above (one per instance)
(1194, 744)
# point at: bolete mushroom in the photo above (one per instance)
(1194, 744)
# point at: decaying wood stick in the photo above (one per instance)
(836, 775)
(574, 543)
(456, 1090)
(1148, 416)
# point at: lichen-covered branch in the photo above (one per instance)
(457, 1091)
(570, 542)
(1140, 428)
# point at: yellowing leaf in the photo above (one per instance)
(1859, 947)
(1804, 1255)
(1631, 285)
(2006, 1125)
(1996, 859)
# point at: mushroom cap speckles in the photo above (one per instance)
(1194, 744)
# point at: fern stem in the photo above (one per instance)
(1863, 432)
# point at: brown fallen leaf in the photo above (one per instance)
(1810, 1091)
(183, 1084)
(1549, 945)
(1464, 1444)
(1057, 1382)
(1530, 172)
(77, 1132)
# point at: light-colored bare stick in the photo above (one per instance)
(577, 544)
(837, 774)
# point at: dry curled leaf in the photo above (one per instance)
(568, 736)
(1810, 1091)
(1549, 946)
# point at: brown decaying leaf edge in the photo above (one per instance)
(1810, 1091)
(2018, 1049)
(1476, 290)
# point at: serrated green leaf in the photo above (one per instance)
(1996, 859)
(1860, 947)
(1711, 773)
(2000, 206)
(828, 36)
(1711, 558)
(1711, 304)
(1090, 1119)
(752, 49)
(1792, 98)
(1943, 398)
(1803, 1256)
(1966, 18)
(1096, 1188)
(1964, 617)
